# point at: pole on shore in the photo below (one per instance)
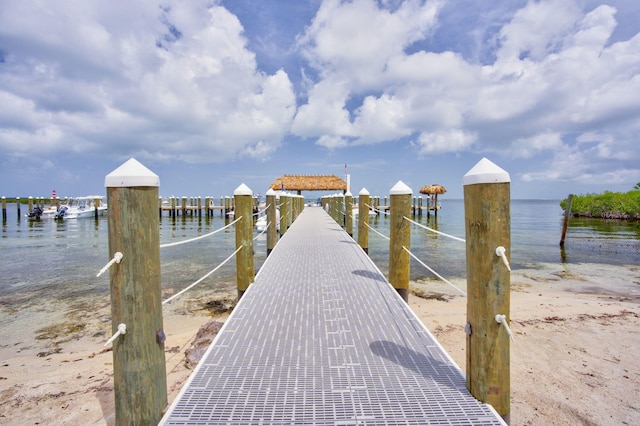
(565, 222)
(400, 237)
(272, 221)
(364, 202)
(244, 237)
(488, 242)
(139, 368)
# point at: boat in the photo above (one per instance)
(261, 222)
(38, 213)
(84, 207)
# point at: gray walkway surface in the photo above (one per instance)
(321, 338)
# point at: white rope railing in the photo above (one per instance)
(177, 243)
(433, 230)
(432, 271)
(204, 277)
(261, 211)
(377, 210)
(263, 231)
(374, 230)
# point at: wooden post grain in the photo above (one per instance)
(348, 210)
(487, 227)
(139, 371)
(284, 213)
(272, 221)
(244, 237)
(364, 204)
(400, 237)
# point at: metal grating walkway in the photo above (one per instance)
(321, 338)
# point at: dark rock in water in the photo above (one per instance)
(200, 344)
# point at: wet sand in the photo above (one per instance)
(574, 360)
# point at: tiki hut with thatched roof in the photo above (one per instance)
(433, 190)
(301, 183)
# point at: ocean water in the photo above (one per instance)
(49, 268)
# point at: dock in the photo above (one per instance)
(322, 338)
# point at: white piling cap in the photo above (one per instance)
(485, 172)
(243, 190)
(131, 173)
(363, 191)
(348, 194)
(400, 189)
(270, 192)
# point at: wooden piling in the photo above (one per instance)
(4, 208)
(272, 236)
(244, 238)
(139, 371)
(18, 207)
(289, 200)
(565, 222)
(487, 227)
(284, 213)
(400, 236)
(227, 206)
(364, 203)
(348, 211)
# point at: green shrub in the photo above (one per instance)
(614, 205)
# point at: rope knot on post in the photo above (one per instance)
(500, 251)
(122, 329)
(117, 257)
(502, 319)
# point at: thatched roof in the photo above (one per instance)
(309, 183)
(433, 189)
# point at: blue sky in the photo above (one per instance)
(212, 94)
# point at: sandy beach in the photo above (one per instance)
(574, 360)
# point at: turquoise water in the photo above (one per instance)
(50, 259)
(49, 268)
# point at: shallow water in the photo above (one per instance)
(49, 268)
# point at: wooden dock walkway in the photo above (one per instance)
(321, 338)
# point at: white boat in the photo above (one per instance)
(83, 207)
(261, 223)
(38, 213)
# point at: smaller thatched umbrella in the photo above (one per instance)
(431, 190)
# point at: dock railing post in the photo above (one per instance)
(289, 200)
(242, 197)
(348, 211)
(488, 243)
(400, 237)
(227, 206)
(139, 368)
(272, 236)
(364, 205)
